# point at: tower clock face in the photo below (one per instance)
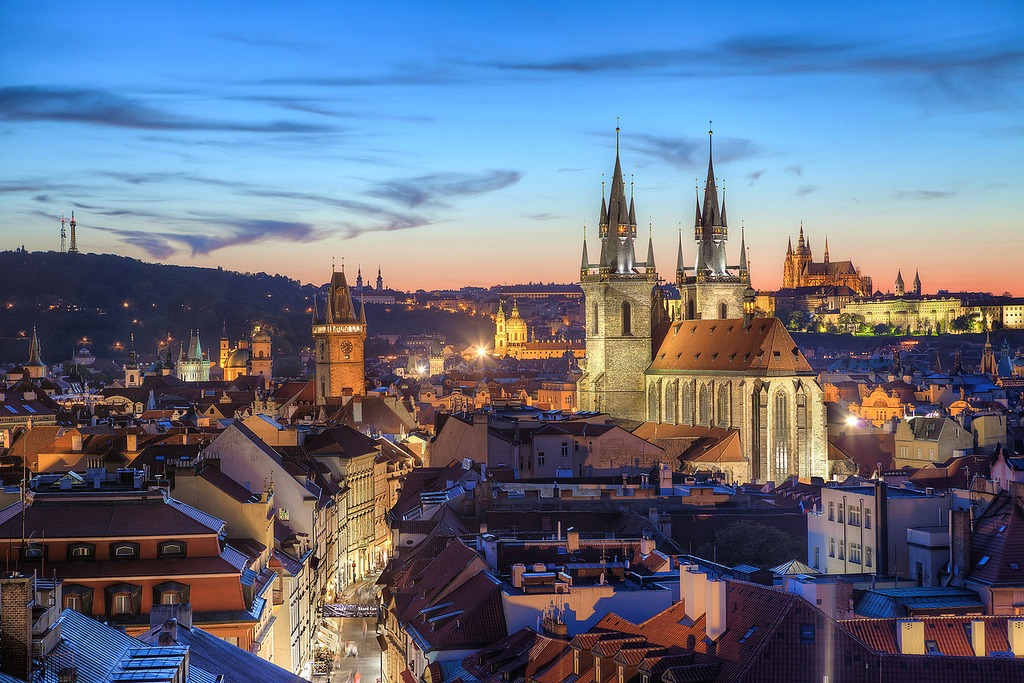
(346, 348)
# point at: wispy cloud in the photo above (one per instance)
(795, 169)
(924, 195)
(104, 108)
(687, 152)
(542, 216)
(754, 176)
(434, 189)
(806, 189)
(952, 72)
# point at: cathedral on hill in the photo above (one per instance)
(801, 270)
(711, 384)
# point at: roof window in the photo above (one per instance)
(747, 635)
(983, 561)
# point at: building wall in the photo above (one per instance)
(613, 380)
(675, 397)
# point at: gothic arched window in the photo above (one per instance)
(594, 325)
(691, 309)
(723, 311)
(652, 403)
(627, 326)
(687, 403)
(780, 438)
(723, 405)
(704, 407)
(671, 390)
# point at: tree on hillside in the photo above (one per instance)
(749, 543)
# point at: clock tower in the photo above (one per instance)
(338, 336)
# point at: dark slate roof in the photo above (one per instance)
(997, 545)
(221, 657)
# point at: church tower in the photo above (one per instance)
(132, 371)
(338, 337)
(712, 291)
(261, 360)
(619, 302)
(500, 338)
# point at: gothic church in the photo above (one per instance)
(713, 374)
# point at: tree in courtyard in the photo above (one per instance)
(751, 543)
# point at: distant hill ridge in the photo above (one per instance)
(104, 298)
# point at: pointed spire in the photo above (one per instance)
(826, 248)
(724, 222)
(789, 248)
(696, 190)
(362, 311)
(34, 358)
(743, 248)
(632, 210)
(224, 330)
(315, 317)
(650, 248)
(711, 215)
(680, 267)
(800, 243)
(585, 261)
(515, 307)
(603, 225)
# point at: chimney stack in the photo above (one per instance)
(1015, 634)
(693, 590)
(16, 603)
(978, 638)
(716, 608)
(910, 636)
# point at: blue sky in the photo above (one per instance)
(465, 143)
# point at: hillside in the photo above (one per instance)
(103, 299)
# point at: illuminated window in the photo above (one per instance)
(627, 323)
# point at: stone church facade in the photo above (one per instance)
(715, 374)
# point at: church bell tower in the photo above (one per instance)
(338, 338)
(619, 302)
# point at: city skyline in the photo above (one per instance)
(468, 147)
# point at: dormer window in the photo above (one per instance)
(81, 552)
(123, 600)
(34, 551)
(124, 550)
(170, 593)
(171, 549)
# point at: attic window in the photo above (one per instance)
(746, 356)
(714, 355)
(747, 635)
(728, 329)
(1014, 566)
(678, 355)
(661, 357)
(696, 355)
(693, 329)
(731, 357)
(776, 354)
(983, 561)
(711, 330)
(1001, 529)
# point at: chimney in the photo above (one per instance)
(517, 575)
(646, 546)
(693, 590)
(910, 636)
(16, 602)
(715, 622)
(357, 411)
(132, 443)
(572, 541)
(1015, 634)
(882, 521)
(168, 633)
(978, 638)
(76, 442)
(959, 543)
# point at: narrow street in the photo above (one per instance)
(358, 636)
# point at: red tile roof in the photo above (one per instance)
(763, 347)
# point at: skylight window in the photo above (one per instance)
(747, 635)
(1014, 566)
(1001, 529)
(983, 561)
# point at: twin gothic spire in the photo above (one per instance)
(618, 231)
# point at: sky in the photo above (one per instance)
(465, 143)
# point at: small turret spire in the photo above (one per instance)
(650, 248)
(743, 249)
(826, 248)
(680, 267)
(585, 261)
(789, 248)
